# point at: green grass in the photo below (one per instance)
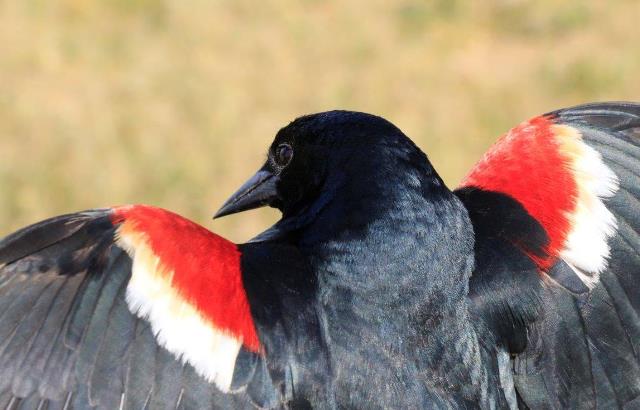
(173, 103)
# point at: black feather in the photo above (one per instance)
(378, 288)
(85, 304)
(32, 370)
(141, 364)
(11, 319)
(608, 329)
(107, 380)
(44, 234)
(95, 331)
(197, 394)
(26, 335)
(168, 382)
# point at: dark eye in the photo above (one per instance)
(283, 154)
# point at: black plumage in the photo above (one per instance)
(378, 288)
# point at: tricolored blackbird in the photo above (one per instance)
(378, 288)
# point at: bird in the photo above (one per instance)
(378, 288)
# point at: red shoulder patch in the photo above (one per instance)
(529, 165)
(202, 267)
(563, 183)
(187, 283)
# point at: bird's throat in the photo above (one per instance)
(398, 282)
(393, 249)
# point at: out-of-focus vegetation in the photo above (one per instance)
(173, 103)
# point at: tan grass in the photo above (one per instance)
(173, 103)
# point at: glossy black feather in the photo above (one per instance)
(505, 288)
(359, 294)
(10, 329)
(68, 339)
(107, 379)
(27, 335)
(168, 382)
(379, 288)
(391, 249)
(140, 362)
(50, 232)
(198, 394)
(31, 370)
(95, 332)
(577, 348)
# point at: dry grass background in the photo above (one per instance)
(173, 103)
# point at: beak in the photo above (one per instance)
(258, 191)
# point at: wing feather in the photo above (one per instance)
(582, 348)
(140, 364)
(32, 370)
(26, 335)
(168, 382)
(69, 338)
(108, 374)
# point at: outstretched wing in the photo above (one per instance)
(555, 206)
(132, 307)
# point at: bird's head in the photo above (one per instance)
(317, 155)
(343, 177)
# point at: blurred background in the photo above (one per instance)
(173, 103)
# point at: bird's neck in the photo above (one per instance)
(394, 272)
(403, 238)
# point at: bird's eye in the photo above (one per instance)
(283, 154)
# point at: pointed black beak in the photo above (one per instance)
(258, 191)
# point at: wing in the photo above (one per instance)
(133, 308)
(555, 206)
